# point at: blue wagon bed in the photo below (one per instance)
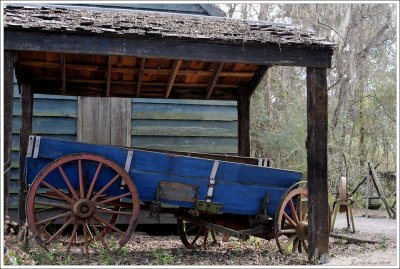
(91, 186)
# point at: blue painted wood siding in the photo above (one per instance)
(206, 126)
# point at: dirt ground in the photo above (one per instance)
(376, 227)
(144, 249)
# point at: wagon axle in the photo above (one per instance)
(83, 208)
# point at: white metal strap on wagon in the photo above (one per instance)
(211, 183)
(37, 146)
(30, 146)
(128, 163)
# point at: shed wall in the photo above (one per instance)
(183, 125)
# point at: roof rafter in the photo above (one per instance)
(174, 70)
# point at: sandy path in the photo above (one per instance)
(379, 229)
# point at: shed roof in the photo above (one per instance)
(150, 54)
(95, 22)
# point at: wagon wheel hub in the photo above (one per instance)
(302, 230)
(83, 208)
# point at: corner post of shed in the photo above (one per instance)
(25, 131)
(9, 61)
(317, 164)
(243, 108)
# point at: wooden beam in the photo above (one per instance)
(135, 70)
(243, 108)
(24, 133)
(214, 79)
(257, 78)
(9, 61)
(63, 73)
(139, 83)
(170, 48)
(317, 164)
(174, 70)
(109, 66)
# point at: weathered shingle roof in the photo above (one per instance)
(51, 19)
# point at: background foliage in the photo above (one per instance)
(361, 85)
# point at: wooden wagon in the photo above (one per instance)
(89, 188)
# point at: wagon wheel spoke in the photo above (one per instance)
(105, 188)
(54, 217)
(112, 199)
(68, 182)
(300, 207)
(197, 236)
(93, 183)
(290, 242)
(295, 245)
(106, 223)
(98, 234)
(86, 238)
(289, 219)
(287, 231)
(108, 211)
(53, 205)
(205, 237)
(191, 228)
(80, 177)
(303, 243)
(73, 236)
(59, 231)
(293, 211)
(299, 246)
(58, 192)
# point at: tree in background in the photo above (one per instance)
(361, 85)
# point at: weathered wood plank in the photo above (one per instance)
(184, 128)
(48, 125)
(317, 164)
(9, 59)
(264, 54)
(243, 110)
(49, 108)
(183, 112)
(120, 121)
(103, 128)
(88, 119)
(174, 70)
(25, 132)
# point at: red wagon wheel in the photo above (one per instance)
(87, 194)
(192, 234)
(291, 222)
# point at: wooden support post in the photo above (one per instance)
(25, 131)
(9, 58)
(243, 108)
(317, 167)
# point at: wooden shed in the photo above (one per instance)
(207, 126)
(151, 55)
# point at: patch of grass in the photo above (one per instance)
(162, 257)
(106, 257)
(384, 244)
